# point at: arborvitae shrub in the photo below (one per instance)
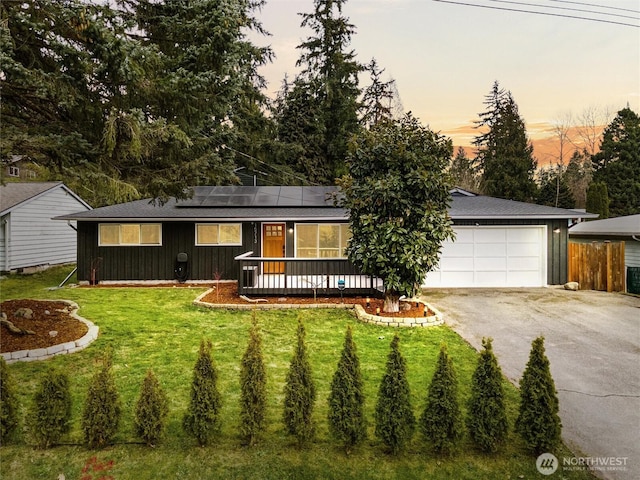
(253, 385)
(299, 393)
(8, 403)
(441, 422)
(151, 410)
(538, 422)
(487, 416)
(50, 414)
(346, 400)
(202, 420)
(101, 415)
(395, 421)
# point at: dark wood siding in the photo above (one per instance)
(158, 263)
(557, 255)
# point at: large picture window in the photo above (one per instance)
(218, 234)
(322, 240)
(129, 234)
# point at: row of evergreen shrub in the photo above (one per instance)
(441, 421)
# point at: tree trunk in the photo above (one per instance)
(391, 302)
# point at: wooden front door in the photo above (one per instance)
(273, 245)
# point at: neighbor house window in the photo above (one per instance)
(14, 172)
(218, 234)
(322, 240)
(129, 234)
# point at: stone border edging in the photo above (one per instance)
(60, 349)
(430, 321)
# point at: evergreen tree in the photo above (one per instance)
(395, 421)
(397, 194)
(463, 173)
(329, 78)
(380, 100)
(50, 414)
(504, 155)
(8, 403)
(554, 190)
(487, 417)
(346, 400)
(441, 422)
(299, 393)
(598, 199)
(617, 164)
(102, 409)
(151, 410)
(538, 422)
(578, 175)
(253, 384)
(202, 420)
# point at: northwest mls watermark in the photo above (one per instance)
(548, 464)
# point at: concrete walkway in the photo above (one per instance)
(592, 340)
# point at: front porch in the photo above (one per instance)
(303, 277)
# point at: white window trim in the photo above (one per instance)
(120, 244)
(233, 244)
(295, 248)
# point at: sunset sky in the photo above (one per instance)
(446, 56)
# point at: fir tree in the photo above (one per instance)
(463, 172)
(253, 384)
(202, 419)
(538, 422)
(346, 400)
(151, 411)
(487, 417)
(441, 422)
(598, 199)
(299, 393)
(102, 409)
(8, 403)
(395, 421)
(50, 413)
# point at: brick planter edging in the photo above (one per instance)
(361, 314)
(60, 349)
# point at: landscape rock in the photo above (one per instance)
(24, 313)
(573, 286)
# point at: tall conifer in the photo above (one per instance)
(395, 421)
(8, 403)
(202, 420)
(538, 422)
(346, 400)
(441, 422)
(151, 411)
(50, 413)
(253, 384)
(487, 417)
(299, 393)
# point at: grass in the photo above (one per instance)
(159, 328)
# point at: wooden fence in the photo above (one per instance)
(597, 266)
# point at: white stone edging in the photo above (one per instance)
(361, 314)
(60, 349)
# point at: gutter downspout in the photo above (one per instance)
(635, 238)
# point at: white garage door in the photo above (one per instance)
(484, 256)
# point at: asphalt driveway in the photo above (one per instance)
(592, 340)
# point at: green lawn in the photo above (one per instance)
(159, 328)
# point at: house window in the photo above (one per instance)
(14, 171)
(322, 240)
(129, 234)
(218, 234)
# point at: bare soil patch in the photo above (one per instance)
(48, 317)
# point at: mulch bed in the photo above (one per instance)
(58, 319)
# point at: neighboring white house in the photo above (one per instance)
(28, 235)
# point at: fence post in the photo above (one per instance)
(609, 267)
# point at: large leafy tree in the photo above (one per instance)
(397, 194)
(504, 153)
(128, 101)
(328, 85)
(617, 164)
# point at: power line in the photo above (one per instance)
(566, 9)
(538, 13)
(595, 5)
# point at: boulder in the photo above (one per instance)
(573, 286)
(23, 313)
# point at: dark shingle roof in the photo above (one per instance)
(299, 203)
(619, 226)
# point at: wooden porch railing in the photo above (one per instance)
(302, 276)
